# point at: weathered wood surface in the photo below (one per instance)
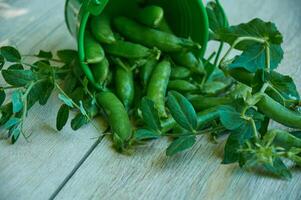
(36, 170)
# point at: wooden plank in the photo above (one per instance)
(35, 169)
(196, 174)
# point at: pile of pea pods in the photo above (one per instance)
(140, 57)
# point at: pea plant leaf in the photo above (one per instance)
(62, 117)
(150, 115)
(284, 85)
(2, 96)
(253, 58)
(182, 111)
(78, 121)
(181, 144)
(67, 55)
(14, 134)
(241, 130)
(18, 78)
(48, 87)
(66, 100)
(44, 54)
(11, 54)
(256, 28)
(216, 15)
(145, 134)
(231, 154)
(17, 101)
(16, 66)
(278, 169)
(12, 122)
(2, 62)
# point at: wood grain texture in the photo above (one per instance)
(35, 169)
(196, 174)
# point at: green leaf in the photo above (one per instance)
(2, 96)
(2, 62)
(12, 122)
(70, 82)
(145, 134)
(284, 85)
(254, 58)
(67, 55)
(230, 118)
(45, 54)
(16, 66)
(6, 111)
(296, 134)
(18, 78)
(180, 144)
(278, 169)
(17, 101)
(182, 111)
(216, 15)
(66, 100)
(15, 133)
(62, 117)
(231, 154)
(150, 114)
(255, 28)
(11, 54)
(82, 108)
(78, 121)
(48, 87)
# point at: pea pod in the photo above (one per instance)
(151, 38)
(146, 71)
(279, 113)
(189, 60)
(101, 71)
(202, 102)
(129, 50)
(157, 86)
(186, 59)
(180, 72)
(151, 16)
(101, 29)
(285, 139)
(117, 118)
(204, 118)
(124, 85)
(182, 86)
(94, 52)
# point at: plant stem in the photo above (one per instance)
(268, 57)
(221, 46)
(236, 42)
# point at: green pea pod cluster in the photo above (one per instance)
(135, 58)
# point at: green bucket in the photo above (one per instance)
(187, 18)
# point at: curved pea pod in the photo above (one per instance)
(94, 52)
(157, 87)
(189, 60)
(124, 85)
(279, 113)
(180, 72)
(200, 102)
(151, 38)
(151, 16)
(146, 71)
(101, 29)
(129, 50)
(285, 139)
(101, 71)
(117, 118)
(182, 86)
(203, 117)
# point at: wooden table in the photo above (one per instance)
(78, 165)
